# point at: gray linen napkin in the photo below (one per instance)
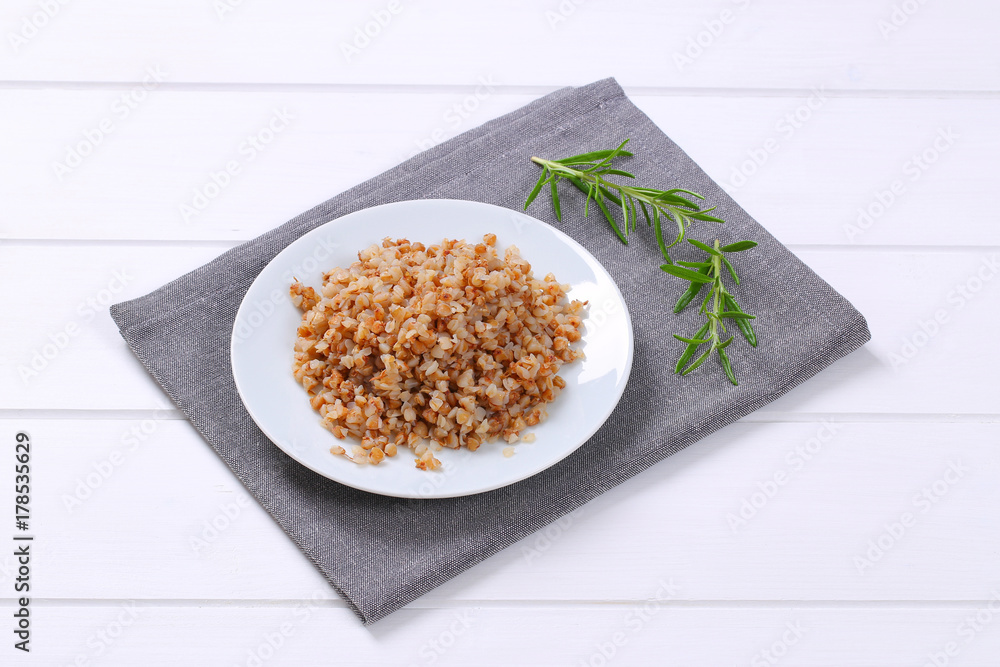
(381, 553)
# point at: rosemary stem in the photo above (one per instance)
(717, 288)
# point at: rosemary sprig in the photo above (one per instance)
(588, 173)
(717, 306)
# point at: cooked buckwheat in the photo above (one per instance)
(449, 345)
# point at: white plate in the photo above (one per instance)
(266, 324)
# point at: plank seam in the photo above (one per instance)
(251, 603)
(502, 89)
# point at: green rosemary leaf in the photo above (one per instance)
(699, 361)
(674, 199)
(739, 246)
(681, 226)
(580, 185)
(708, 297)
(555, 199)
(691, 341)
(587, 188)
(610, 196)
(701, 215)
(686, 274)
(642, 192)
(688, 296)
(690, 349)
(658, 231)
(694, 265)
(615, 153)
(649, 220)
(610, 218)
(625, 214)
(687, 192)
(537, 188)
(736, 315)
(593, 156)
(615, 172)
(707, 248)
(745, 327)
(726, 366)
(732, 271)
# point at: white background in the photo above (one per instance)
(123, 486)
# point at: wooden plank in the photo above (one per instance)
(66, 351)
(853, 45)
(845, 171)
(758, 511)
(920, 360)
(302, 633)
(814, 169)
(920, 307)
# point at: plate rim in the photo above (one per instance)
(566, 238)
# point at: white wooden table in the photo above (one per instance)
(852, 522)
